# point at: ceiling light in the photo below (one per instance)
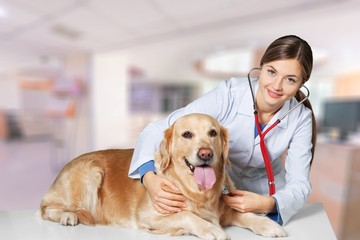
(66, 32)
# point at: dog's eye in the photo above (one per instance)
(212, 133)
(187, 134)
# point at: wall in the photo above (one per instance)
(347, 85)
(9, 92)
(112, 123)
(108, 98)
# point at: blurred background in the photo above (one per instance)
(83, 75)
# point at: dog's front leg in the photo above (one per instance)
(187, 223)
(259, 224)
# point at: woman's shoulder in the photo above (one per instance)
(235, 83)
(302, 112)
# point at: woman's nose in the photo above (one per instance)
(277, 84)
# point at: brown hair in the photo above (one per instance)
(293, 47)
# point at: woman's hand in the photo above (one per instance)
(244, 201)
(165, 196)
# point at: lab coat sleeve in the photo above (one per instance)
(297, 166)
(213, 103)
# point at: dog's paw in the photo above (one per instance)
(69, 219)
(269, 228)
(276, 231)
(213, 233)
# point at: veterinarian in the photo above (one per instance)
(285, 66)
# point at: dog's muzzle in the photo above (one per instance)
(190, 166)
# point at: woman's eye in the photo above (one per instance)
(291, 80)
(212, 133)
(187, 134)
(271, 72)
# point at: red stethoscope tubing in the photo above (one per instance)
(264, 151)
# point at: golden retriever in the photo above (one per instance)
(94, 188)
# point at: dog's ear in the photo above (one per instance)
(225, 152)
(165, 149)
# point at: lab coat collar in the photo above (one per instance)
(283, 110)
(246, 109)
(282, 125)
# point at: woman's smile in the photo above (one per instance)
(274, 94)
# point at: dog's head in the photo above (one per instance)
(195, 144)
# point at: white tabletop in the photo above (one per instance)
(309, 223)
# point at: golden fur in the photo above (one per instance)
(94, 188)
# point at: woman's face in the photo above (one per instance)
(279, 81)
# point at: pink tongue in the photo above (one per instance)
(205, 176)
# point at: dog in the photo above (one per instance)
(94, 188)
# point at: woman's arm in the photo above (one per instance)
(297, 167)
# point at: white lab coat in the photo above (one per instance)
(231, 104)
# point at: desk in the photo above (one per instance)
(311, 222)
(335, 182)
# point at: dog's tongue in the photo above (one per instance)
(205, 176)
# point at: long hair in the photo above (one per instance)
(293, 47)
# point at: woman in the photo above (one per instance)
(285, 66)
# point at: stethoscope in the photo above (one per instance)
(264, 151)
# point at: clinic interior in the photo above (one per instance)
(77, 76)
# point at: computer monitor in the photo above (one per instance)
(342, 115)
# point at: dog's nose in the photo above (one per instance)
(205, 154)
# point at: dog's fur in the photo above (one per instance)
(94, 188)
